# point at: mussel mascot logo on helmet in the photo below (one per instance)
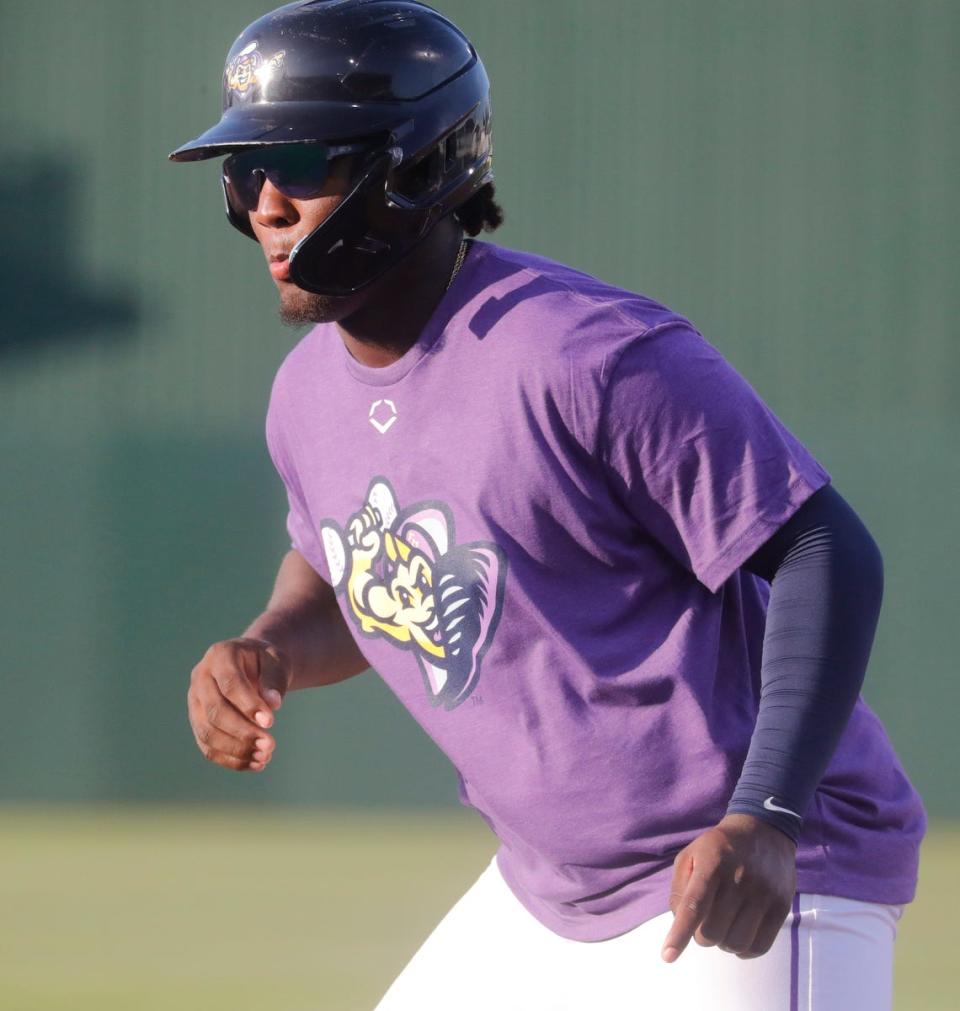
(407, 581)
(249, 68)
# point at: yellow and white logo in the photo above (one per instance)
(408, 582)
(249, 68)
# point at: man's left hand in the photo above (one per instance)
(732, 887)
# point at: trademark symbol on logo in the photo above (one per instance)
(383, 413)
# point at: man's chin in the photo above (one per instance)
(298, 307)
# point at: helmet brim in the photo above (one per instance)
(287, 123)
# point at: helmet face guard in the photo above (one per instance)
(391, 79)
(363, 237)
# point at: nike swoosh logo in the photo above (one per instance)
(770, 806)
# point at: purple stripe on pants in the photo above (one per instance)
(795, 954)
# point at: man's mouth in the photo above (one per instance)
(280, 266)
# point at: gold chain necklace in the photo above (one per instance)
(460, 257)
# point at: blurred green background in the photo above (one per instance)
(783, 173)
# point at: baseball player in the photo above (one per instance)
(624, 600)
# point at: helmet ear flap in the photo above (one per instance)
(456, 160)
(418, 181)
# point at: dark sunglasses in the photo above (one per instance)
(299, 171)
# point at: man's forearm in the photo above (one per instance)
(304, 622)
(827, 586)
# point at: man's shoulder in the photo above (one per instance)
(559, 320)
(561, 332)
(526, 283)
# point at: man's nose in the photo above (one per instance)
(274, 209)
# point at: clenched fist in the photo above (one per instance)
(233, 693)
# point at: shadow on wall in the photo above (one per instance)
(46, 296)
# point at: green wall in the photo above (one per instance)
(778, 171)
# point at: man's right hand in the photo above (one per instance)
(233, 693)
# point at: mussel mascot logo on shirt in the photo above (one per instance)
(408, 581)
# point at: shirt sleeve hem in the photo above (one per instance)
(312, 561)
(723, 565)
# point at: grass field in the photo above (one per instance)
(271, 910)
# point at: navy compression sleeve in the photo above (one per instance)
(826, 577)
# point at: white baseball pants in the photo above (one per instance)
(490, 954)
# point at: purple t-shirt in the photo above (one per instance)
(534, 521)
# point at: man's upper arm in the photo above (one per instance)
(299, 524)
(824, 510)
(298, 580)
(696, 456)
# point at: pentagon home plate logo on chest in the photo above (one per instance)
(383, 413)
(249, 67)
(408, 582)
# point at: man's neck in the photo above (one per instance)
(401, 303)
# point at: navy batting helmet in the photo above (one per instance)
(390, 81)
